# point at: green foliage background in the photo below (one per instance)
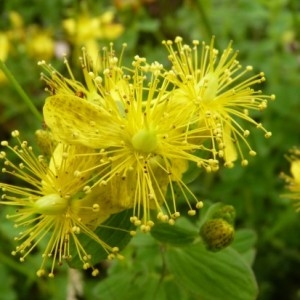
(267, 34)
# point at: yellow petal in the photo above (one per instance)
(295, 170)
(75, 120)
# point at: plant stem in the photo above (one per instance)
(20, 90)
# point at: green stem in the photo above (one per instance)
(205, 20)
(21, 92)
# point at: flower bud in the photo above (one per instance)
(217, 234)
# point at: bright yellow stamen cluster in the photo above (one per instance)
(124, 137)
(54, 204)
(216, 89)
(143, 143)
(146, 123)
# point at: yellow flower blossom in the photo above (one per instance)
(86, 30)
(4, 50)
(143, 144)
(39, 43)
(293, 180)
(54, 203)
(216, 89)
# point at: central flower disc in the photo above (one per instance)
(145, 140)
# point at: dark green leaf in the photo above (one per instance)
(244, 242)
(222, 275)
(114, 232)
(177, 234)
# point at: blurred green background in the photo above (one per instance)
(267, 35)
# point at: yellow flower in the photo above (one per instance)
(293, 181)
(4, 51)
(86, 30)
(54, 203)
(39, 43)
(215, 88)
(144, 144)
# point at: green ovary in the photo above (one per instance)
(145, 140)
(51, 204)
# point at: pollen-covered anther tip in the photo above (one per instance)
(145, 228)
(150, 223)
(268, 134)
(115, 249)
(87, 189)
(252, 153)
(51, 275)
(15, 133)
(191, 212)
(76, 229)
(199, 204)
(77, 173)
(111, 256)
(178, 39)
(162, 217)
(4, 143)
(40, 273)
(176, 215)
(244, 162)
(246, 133)
(95, 272)
(96, 207)
(137, 222)
(171, 222)
(103, 183)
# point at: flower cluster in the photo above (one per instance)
(293, 180)
(40, 42)
(123, 138)
(146, 124)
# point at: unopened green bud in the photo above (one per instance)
(217, 234)
(226, 212)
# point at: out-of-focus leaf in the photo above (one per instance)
(244, 242)
(6, 285)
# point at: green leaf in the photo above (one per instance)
(7, 282)
(222, 275)
(244, 242)
(192, 173)
(179, 234)
(114, 232)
